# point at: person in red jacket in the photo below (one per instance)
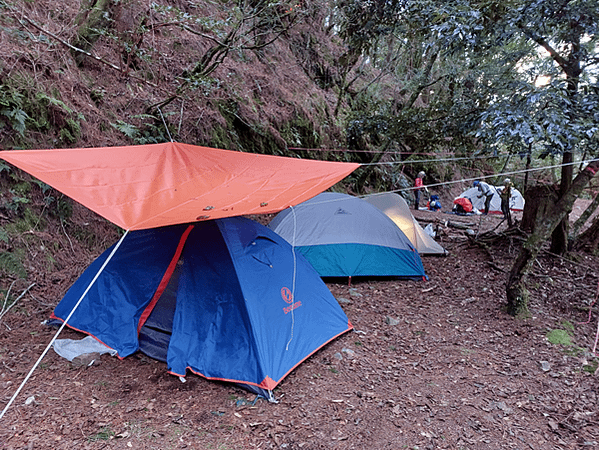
(462, 205)
(418, 188)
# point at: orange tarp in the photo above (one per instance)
(147, 186)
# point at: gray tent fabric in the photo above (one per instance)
(342, 235)
(396, 208)
(516, 200)
(71, 348)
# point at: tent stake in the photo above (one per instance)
(63, 325)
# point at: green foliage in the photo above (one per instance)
(150, 131)
(568, 326)
(104, 434)
(63, 207)
(11, 263)
(4, 167)
(28, 221)
(247, 135)
(16, 203)
(470, 71)
(131, 131)
(55, 114)
(97, 96)
(24, 107)
(11, 109)
(592, 367)
(559, 337)
(18, 197)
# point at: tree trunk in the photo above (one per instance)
(528, 162)
(589, 239)
(559, 237)
(516, 292)
(571, 67)
(90, 20)
(545, 224)
(537, 200)
(583, 218)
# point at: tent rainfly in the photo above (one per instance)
(149, 186)
(394, 206)
(345, 236)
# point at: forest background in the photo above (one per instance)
(462, 90)
(485, 87)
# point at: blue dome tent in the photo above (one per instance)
(345, 236)
(226, 299)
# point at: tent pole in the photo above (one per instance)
(63, 324)
(292, 285)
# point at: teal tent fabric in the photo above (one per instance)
(345, 236)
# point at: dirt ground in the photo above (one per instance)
(451, 371)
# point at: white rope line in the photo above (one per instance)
(446, 183)
(408, 154)
(165, 126)
(294, 274)
(466, 180)
(420, 161)
(63, 324)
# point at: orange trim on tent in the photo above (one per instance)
(228, 380)
(165, 279)
(53, 316)
(268, 383)
(350, 327)
(148, 186)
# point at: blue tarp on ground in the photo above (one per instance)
(226, 311)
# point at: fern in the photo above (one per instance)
(17, 118)
(11, 107)
(127, 129)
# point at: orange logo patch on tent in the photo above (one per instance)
(287, 295)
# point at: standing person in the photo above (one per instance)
(418, 187)
(505, 195)
(485, 192)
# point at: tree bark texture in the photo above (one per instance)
(583, 218)
(545, 223)
(589, 239)
(536, 201)
(559, 236)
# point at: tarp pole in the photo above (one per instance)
(63, 324)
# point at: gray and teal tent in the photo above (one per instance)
(345, 236)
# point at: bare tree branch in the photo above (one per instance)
(76, 49)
